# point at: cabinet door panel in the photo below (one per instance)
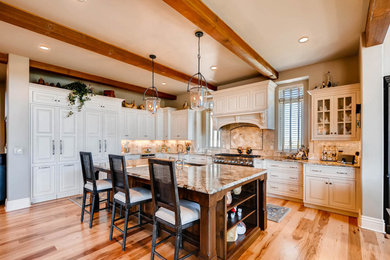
(323, 117)
(43, 134)
(93, 133)
(43, 183)
(68, 180)
(316, 190)
(260, 99)
(68, 136)
(179, 126)
(342, 193)
(111, 143)
(131, 125)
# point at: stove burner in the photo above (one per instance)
(235, 159)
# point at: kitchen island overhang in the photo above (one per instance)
(208, 186)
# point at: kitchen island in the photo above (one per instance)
(208, 186)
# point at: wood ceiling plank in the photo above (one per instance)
(94, 78)
(199, 14)
(54, 30)
(378, 21)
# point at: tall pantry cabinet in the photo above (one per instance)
(56, 140)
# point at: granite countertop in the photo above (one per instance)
(207, 179)
(310, 161)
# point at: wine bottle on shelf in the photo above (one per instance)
(329, 81)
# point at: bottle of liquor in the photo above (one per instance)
(323, 84)
(329, 81)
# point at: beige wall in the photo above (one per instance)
(98, 88)
(344, 71)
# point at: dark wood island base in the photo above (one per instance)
(208, 186)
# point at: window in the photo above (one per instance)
(291, 105)
(213, 136)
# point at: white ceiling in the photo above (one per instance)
(273, 28)
(150, 26)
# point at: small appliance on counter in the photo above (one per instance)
(346, 158)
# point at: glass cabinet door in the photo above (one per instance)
(345, 115)
(323, 117)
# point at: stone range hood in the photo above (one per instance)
(252, 103)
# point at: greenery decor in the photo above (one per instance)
(80, 92)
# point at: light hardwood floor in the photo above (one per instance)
(52, 230)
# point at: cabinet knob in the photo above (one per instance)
(326, 182)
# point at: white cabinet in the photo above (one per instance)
(68, 179)
(129, 124)
(43, 183)
(146, 125)
(334, 113)
(163, 123)
(331, 186)
(316, 190)
(183, 124)
(57, 138)
(253, 103)
(43, 134)
(101, 133)
(284, 178)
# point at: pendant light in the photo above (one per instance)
(199, 92)
(152, 103)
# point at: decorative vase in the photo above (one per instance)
(237, 191)
(229, 198)
(241, 228)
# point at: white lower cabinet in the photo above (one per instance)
(55, 181)
(331, 187)
(284, 178)
(43, 183)
(316, 190)
(68, 179)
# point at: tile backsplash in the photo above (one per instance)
(155, 146)
(348, 147)
(262, 141)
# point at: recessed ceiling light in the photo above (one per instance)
(303, 39)
(163, 83)
(82, 1)
(44, 47)
(213, 67)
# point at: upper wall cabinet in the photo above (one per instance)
(333, 113)
(183, 124)
(253, 103)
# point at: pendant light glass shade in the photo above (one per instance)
(199, 92)
(152, 103)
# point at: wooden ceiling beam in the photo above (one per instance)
(93, 78)
(378, 21)
(54, 30)
(200, 15)
(3, 58)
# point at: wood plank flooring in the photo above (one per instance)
(53, 230)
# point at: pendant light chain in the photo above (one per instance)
(152, 103)
(198, 93)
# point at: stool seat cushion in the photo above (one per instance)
(137, 194)
(100, 185)
(189, 212)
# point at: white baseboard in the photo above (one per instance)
(374, 224)
(11, 205)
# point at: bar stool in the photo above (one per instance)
(126, 197)
(93, 186)
(168, 209)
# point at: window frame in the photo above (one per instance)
(303, 117)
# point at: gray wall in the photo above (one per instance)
(18, 165)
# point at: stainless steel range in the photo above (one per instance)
(235, 159)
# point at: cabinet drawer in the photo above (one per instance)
(284, 189)
(331, 171)
(283, 165)
(285, 176)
